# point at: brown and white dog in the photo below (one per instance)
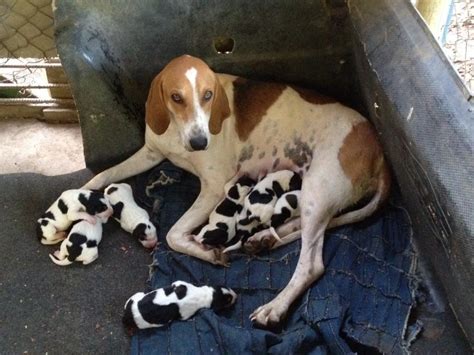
(220, 127)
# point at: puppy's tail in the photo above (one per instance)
(381, 194)
(62, 262)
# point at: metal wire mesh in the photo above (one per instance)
(459, 44)
(26, 37)
(26, 29)
(28, 59)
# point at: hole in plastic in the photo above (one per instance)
(224, 45)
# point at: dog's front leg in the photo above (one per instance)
(139, 162)
(180, 238)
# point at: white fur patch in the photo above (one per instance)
(201, 120)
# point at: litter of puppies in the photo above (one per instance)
(72, 205)
(250, 207)
(76, 219)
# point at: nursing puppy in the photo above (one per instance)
(220, 229)
(81, 244)
(260, 206)
(286, 208)
(71, 206)
(260, 203)
(179, 301)
(132, 218)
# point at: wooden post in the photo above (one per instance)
(435, 13)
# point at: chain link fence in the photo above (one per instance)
(459, 45)
(32, 83)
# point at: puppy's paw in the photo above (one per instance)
(261, 241)
(220, 258)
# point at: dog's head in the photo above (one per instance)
(146, 234)
(96, 204)
(223, 297)
(187, 94)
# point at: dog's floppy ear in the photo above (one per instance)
(220, 109)
(156, 115)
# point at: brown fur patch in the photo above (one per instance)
(220, 109)
(156, 115)
(362, 160)
(251, 102)
(313, 97)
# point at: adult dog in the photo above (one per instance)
(219, 127)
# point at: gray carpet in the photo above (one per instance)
(48, 308)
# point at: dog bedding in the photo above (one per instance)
(361, 303)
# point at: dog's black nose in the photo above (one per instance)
(198, 142)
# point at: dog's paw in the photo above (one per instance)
(268, 315)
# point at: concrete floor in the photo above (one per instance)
(45, 308)
(28, 145)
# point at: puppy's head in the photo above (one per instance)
(128, 318)
(96, 204)
(44, 229)
(146, 234)
(222, 297)
(213, 235)
(241, 189)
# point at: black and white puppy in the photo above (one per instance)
(286, 208)
(220, 229)
(260, 203)
(179, 301)
(71, 206)
(260, 206)
(132, 218)
(81, 244)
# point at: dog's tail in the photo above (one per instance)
(381, 194)
(62, 262)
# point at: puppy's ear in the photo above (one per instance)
(139, 231)
(156, 115)
(127, 318)
(39, 231)
(110, 189)
(118, 207)
(220, 109)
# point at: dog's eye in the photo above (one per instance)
(177, 98)
(207, 95)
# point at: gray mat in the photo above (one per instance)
(48, 308)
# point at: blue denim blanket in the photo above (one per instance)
(361, 303)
